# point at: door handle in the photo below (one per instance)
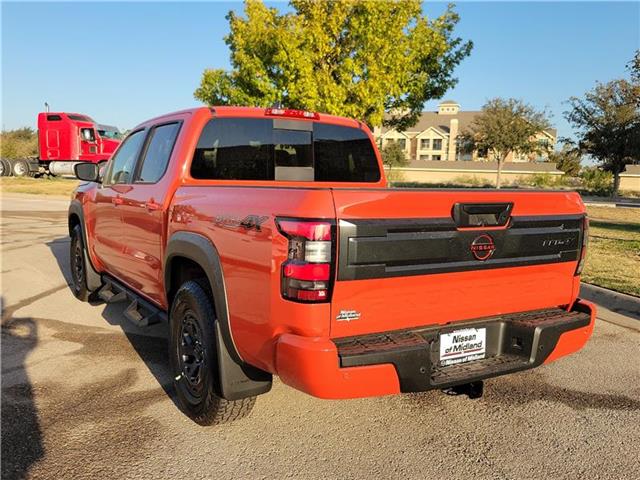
(152, 206)
(117, 201)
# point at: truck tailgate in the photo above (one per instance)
(405, 259)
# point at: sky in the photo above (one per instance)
(123, 63)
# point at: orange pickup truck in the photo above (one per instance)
(271, 244)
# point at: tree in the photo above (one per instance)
(394, 155)
(567, 160)
(634, 68)
(506, 126)
(607, 124)
(359, 59)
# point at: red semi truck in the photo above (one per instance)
(64, 139)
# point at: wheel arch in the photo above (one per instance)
(76, 218)
(237, 378)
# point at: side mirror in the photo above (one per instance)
(89, 172)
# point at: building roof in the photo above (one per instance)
(441, 122)
(449, 102)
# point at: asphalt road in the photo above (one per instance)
(87, 395)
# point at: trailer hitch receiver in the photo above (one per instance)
(473, 390)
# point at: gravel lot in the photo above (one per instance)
(87, 395)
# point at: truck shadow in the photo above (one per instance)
(22, 439)
(150, 343)
(531, 387)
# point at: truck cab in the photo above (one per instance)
(71, 137)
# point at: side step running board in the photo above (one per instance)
(108, 295)
(139, 311)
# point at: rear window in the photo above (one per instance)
(252, 149)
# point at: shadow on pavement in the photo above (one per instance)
(22, 443)
(60, 250)
(526, 388)
(150, 343)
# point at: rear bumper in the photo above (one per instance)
(407, 360)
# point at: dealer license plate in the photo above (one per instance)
(462, 346)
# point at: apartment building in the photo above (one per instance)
(436, 136)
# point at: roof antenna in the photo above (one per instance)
(46, 106)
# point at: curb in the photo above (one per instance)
(618, 308)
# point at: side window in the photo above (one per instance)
(88, 134)
(124, 161)
(159, 148)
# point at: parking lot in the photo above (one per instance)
(86, 394)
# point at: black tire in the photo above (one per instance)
(20, 168)
(5, 168)
(192, 352)
(78, 266)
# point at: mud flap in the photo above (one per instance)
(238, 381)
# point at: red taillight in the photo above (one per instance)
(288, 112)
(585, 242)
(306, 271)
(308, 230)
(306, 274)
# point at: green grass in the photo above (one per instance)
(38, 186)
(613, 257)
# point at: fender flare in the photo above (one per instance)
(237, 378)
(94, 279)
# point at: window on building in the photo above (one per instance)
(402, 142)
(437, 144)
(464, 150)
(424, 157)
(436, 157)
(424, 143)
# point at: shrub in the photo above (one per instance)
(473, 181)
(20, 143)
(542, 180)
(394, 176)
(596, 181)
